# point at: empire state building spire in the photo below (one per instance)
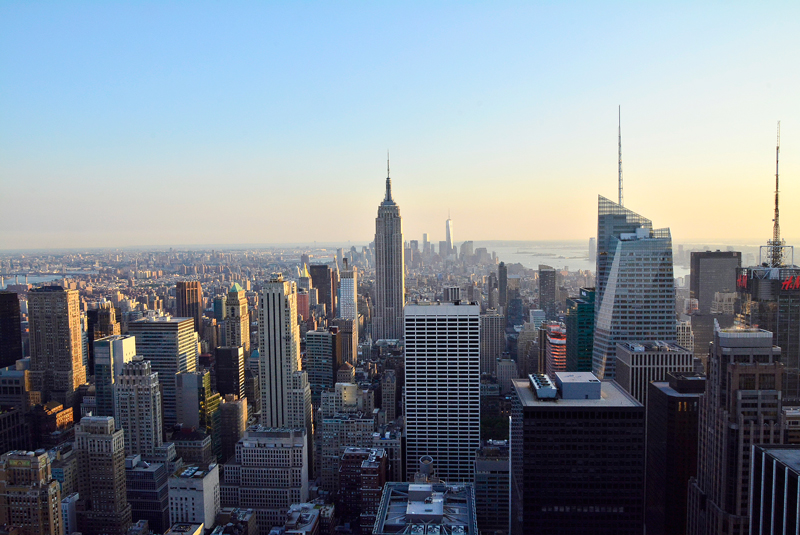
(388, 198)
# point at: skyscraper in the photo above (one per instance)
(641, 363)
(170, 344)
(502, 285)
(189, 300)
(493, 339)
(635, 286)
(237, 319)
(102, 479)
(577, 456)
(580, 331)
(230, 364)
(30, 498)
(672, 420)
(741, 407)
(57, 368)
(449, 237)
(269, 463)
(387, 323)
(322, 278)
(443, 388)
(285, 391)
(348, 293)
(323, 358)
(712, 272)
(198, 406)
(110, 355)
(10, 329)
(547, 290)
(138, 408)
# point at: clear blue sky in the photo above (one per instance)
(210, 122)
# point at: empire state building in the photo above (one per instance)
(387, 322)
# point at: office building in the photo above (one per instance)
(69, 513)
(580, 331)
(345, 419)
(770, 300)
(237, 319)
(348, 293)
(361, 480)
(194, 494)
(323, 359)
(234, 421)
(547, 290)
(198, 406)
(502, 286)
(147, 491)
(712, 272)
(635, 285)
(389, 394)
(492, 483)
(324, 281)
(268, 474)
(493, 340)
(641, 363)
(672, 429)
(775, 490)
(57, 368)
(30, 499)
(138, 408)
(555, 349)
(10, 329)
(685, 335)
(387, 321)
(219, 307)
(230, 364)
(506, 371)
(170, 344)
(577, 456)
(741, 407)
(279, 353)
(437, 507)
(189, 302)
(110, 355)
(442, 387)
(347, 339)
(103, 507)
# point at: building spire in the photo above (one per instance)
(776, 245)
(619, 139)
(388, 180)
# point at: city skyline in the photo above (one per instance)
(148, 135)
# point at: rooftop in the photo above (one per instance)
(411, 508)
(611, 395)
(652, 345)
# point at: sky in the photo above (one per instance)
(165, 123)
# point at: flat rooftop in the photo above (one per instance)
(611, 395)
(444, 509)
(790, 456)
(652, 345)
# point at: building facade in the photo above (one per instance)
(57, 368)
(741, 407)
(442, 385)
(170, 344)
(641, 363)
(580, 331)
(138, 408)
(577, 456)
(635, 284)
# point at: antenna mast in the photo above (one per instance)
(619, 134)
(776, 256)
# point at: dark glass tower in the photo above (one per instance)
(10, 331)
(580, 331)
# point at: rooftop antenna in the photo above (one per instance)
(619, 134)
(776, 245)
(387, 163)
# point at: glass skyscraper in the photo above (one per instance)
(635, 284)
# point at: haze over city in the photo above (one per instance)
(155, 124)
